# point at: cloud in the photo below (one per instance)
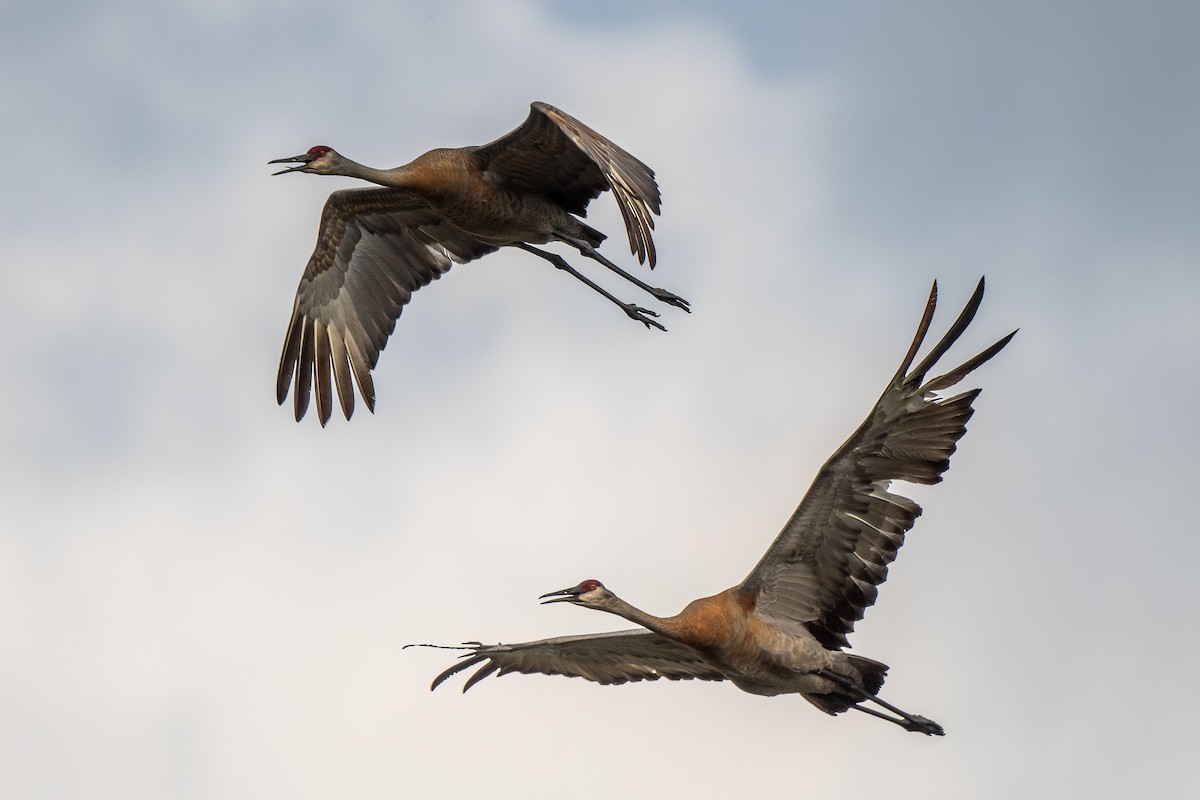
(199, 596)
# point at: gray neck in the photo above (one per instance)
(384, 177)
(616, 605)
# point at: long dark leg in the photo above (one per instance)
(910, 722)
(660, 294)
(917, 724)
(638, 313)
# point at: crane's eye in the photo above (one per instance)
(318, 151)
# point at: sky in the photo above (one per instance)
(201, 598)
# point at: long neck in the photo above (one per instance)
(397, 177)
(665, 625)
(715, 622)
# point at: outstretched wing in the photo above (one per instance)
(556, 155)
(823, 569)
(374, 249)
(607, 658)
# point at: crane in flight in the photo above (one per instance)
(783, 629)
(375, 247)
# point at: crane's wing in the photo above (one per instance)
(556, 155)
(607, 658)
(823, 569)
(374, 249)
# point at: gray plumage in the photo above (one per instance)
(375, 247)
(783, 629)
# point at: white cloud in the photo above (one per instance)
(198, 596)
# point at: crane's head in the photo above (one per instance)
(590, 593)
(320, 160)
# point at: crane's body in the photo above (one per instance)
(451, 205)
(783, 629)
(755, 655)
(465, 194)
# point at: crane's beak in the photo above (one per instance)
(561, 596)
(303, 160)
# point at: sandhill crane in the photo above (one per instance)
(376, 247)
(783, 628)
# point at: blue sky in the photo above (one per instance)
(201, 598)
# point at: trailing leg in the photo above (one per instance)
(910, 722)
(663, 295)
(634, 312)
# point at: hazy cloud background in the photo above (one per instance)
(200, 598)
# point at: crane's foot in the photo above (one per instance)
(642, 315)
(919, 724)
(671, 299)
(910, 722)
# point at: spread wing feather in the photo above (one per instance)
(824, 568)
(556, 155)
(606, 658)
(375, 247)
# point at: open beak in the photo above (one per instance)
(302, 160)
(561, 596)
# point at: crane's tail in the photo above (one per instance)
(872, 672)
(871, 676)
(593, 236)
